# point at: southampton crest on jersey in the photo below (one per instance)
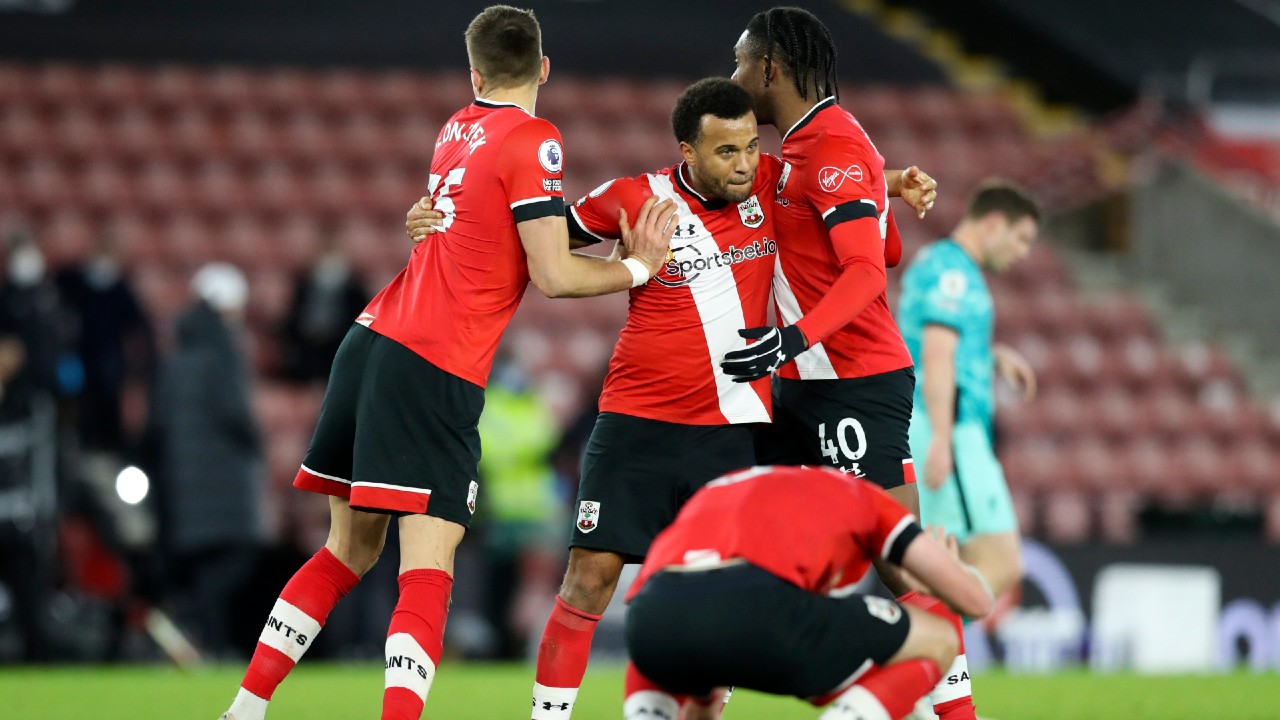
(750, 212)
(588, 515)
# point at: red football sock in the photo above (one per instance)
(890, 691)
(563, 653)
(415, 641)
(954, 700)
(645, 698)
(296, 618)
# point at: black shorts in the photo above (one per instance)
(691, 632)
(396, 434)
(858, 425)
(638, 473)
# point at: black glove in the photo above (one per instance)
(775, 348)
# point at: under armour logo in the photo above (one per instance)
(831, 178)
(684, 230)
(553, 706)
(778, 362)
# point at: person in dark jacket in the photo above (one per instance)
(210, 458)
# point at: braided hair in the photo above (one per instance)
(799, 37)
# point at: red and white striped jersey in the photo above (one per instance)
(816, 528)
(833, 174)
(494, 165)
(681, 323)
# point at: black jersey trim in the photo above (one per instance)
(852, 210)
(577, 230)
(685, 185)
(495, 105)
(813, 112)
(543, 207)
(901, 537)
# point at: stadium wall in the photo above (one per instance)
(658, 38)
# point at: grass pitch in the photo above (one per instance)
(484, 692)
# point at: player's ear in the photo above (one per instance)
(477, 82)
(545, 72)
(687, 151)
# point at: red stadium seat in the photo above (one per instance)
(174, 87)
(116, 85)
(1067, 517)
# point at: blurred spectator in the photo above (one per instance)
(28, 328)
(210, 466)
(326, 299)
(112, 344)
(28, 307)
(519, 511)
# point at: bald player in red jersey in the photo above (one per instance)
(843, 395)
(397, 434)
(752, 586)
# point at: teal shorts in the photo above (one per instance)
(975, 498)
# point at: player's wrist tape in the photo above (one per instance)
(639, 273)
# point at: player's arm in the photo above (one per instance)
(938, 358)
(934, 561)
(556, 272)
(423, 220)
(853, 226)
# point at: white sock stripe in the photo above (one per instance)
(553, 703)
(289, 630)
(248, 706)
(408, 665)
(650, 705)
(954, 684)
(856, 704)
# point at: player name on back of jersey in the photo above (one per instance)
(470, 133)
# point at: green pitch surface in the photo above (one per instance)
(463, 692)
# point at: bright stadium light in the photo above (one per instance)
(132, 485)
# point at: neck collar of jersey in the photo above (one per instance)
(813, 112)
(495, 105)
(687, 186)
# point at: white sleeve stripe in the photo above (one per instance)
(892, 537)
(530, 201)
(868, 201)
(584, 227)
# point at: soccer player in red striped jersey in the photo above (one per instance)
(843, 395)
(753, 586)
(664, 387)
(397, 434)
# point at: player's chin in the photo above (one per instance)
(737, 193)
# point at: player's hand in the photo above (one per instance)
(422, 220)
(774, 347)
(1015, 369)
(937, 462)
(650, 240)
(918, 190)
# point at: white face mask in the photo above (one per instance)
(26, 266)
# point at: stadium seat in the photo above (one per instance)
(1067, 517)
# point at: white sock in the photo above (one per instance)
(650, 705)
(553, 703)
(953, 685)
(248, 706)
(857, 703)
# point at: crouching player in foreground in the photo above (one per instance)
(751, 586)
